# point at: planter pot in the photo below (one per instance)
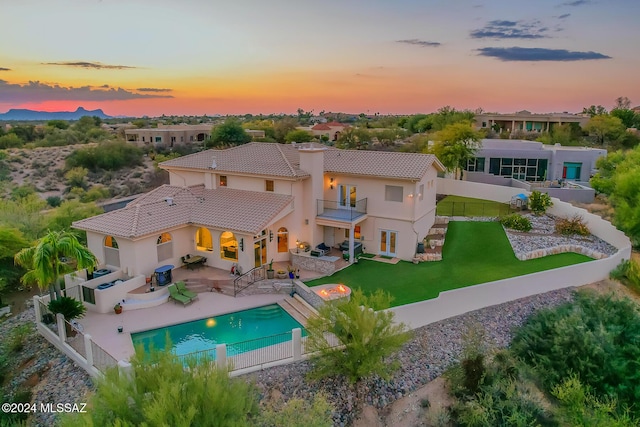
(282, 275)
(117, 310)
(291, 276)
(270, 274)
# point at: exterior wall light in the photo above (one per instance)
(242, 244)
(331, 183)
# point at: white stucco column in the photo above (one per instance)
(351, 243)
(296, 341)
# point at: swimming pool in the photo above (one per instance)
(242, 331)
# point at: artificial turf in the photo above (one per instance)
(467, 206)
(474, 252)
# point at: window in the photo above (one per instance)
(356, 232)
(173, 139)
(393, 193)
(283, 240)
(475, 164)
(111, 251)
(528, 169)
(158, 139)
(268, 185)
(228, 246)
(143, 139)
(110, 242)
(223, 180)
(164, 246)
(204, 242)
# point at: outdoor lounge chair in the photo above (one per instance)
(182, 289)
(177, 296)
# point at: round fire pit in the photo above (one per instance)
(332, 291)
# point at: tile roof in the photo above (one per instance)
(256, 158)
(283, 160)
(336, 124)
(321, 126)
(224, 208)
(380, 163)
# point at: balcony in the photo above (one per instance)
(330, 210)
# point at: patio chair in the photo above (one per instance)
(323, 247)
(182, 289)
(177, 296)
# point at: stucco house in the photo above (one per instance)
(256, 202)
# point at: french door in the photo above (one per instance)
(346, 196)
(388, 241)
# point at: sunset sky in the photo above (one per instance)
(143, 57)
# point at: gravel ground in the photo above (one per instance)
(52, 377)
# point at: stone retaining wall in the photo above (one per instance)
(561, 249)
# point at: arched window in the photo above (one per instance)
(111, 251)
(110, 242)
(228, 246)
(204, 242)
(283, 239)
(164, 246)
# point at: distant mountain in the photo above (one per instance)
(19, 114)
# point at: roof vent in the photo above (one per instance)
(213, 163)
(169, 201)
(293, 144)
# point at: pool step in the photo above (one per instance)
(296, 309)
(262, 313)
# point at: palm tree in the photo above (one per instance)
(45, 262)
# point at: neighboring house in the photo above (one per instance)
(256, 202)
(545, 167)
(534, 161)
(331, 130)
(526, 121)
(169, 135)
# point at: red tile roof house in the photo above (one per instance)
(331, 130)
(250, 204)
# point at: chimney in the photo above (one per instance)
(169, 201)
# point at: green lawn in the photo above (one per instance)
(467, 206)
(474, 252)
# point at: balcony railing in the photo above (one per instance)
(331, 209)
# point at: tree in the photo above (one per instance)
(162, 391)
(298, 135)
(594, 110)
(604, 127)
(69, 211)
(626, 116)
(298, 413)
(58, 124)
(229, 133)
(282, 127)
(354, 138)
(622, 103)
(11, 140)
(54, 255)
(455, 145)
(11, 242)
(364, 328)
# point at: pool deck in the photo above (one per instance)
(104, 327)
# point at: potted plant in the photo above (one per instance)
(70, 308)
(270, 272)
(117, 308)
(281, 274)
(291, 272)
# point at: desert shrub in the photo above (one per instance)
(77, 177)
(579, 407)
(164, 390)
(595, 338)
(97, 192)
(54, 201)
(628, 272)
(539, 202)
(516, 222)
(573, 225)
(18, 337)
(297, 413)
(110, 155)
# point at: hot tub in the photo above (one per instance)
(332, 291)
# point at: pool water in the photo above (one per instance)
(255, 328)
